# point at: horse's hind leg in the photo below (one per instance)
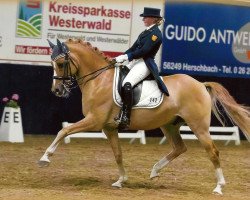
(201, 130)
(112, 136)
(173, 135)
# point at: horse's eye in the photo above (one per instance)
(60, 65)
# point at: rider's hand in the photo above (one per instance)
(121, 58)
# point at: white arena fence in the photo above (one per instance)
(233, 134)
(140, 134)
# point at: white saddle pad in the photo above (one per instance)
(151, 95)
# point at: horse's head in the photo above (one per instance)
(76, 60)
(64, 69)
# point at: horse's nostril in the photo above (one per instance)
(56, 91)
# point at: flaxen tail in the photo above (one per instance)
(239, 114)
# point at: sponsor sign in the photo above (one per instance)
(95, 22)
(105, 24)
(206, 39)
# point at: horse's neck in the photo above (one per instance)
(97, 92)
(91, 62)
(98, 79)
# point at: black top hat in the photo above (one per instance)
(151, 12)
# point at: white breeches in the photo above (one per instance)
(138, 72)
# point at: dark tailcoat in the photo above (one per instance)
(146, 46)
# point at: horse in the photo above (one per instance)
(190, 102)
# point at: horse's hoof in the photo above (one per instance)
(153, 174)
(43, 163)
(217, 191)
(117, 184)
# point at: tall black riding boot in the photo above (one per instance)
(127, 98)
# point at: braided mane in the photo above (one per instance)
(88, 45)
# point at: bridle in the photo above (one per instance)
(69, 79)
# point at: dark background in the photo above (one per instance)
(43, 113)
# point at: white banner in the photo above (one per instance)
(105, 24)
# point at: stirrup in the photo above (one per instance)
(121, 122)
(123, 125)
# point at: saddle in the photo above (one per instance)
(146, 94)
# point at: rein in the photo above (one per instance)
(97, 72)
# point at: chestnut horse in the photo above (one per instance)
(189, 102)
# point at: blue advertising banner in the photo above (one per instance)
(206, 39)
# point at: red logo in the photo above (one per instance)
(33, 3)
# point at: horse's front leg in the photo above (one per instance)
(85, 124)
(112, 136)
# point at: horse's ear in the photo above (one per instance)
(65, 49)
(59, 44)
(51, 44)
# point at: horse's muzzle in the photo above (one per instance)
(61, 91)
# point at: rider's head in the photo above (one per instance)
(151, 16)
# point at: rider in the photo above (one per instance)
(141, 61)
